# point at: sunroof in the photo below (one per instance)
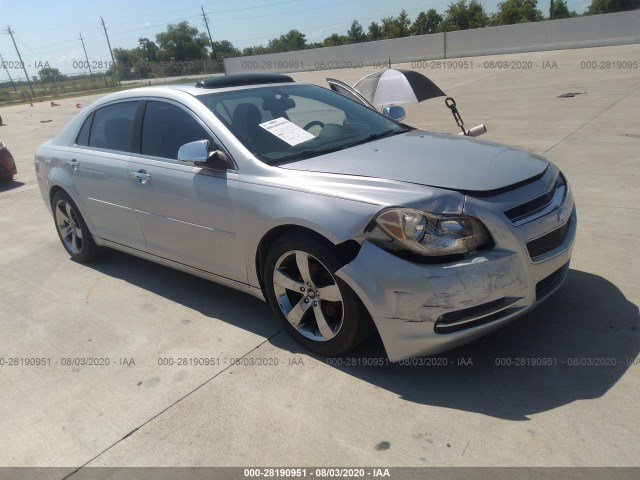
(241, 79)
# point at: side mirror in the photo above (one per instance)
(394, 112)
(197, 154)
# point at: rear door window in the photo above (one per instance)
(112, 126)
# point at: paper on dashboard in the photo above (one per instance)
(287, 131)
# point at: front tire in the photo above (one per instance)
(316, 307)
(72, 229)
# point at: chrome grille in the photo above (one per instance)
(527, 211)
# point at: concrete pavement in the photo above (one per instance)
(262, 400)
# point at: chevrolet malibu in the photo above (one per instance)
(344, 220)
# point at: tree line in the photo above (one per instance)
(183, 50)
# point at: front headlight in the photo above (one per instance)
(429, 234)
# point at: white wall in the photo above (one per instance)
(593, 31)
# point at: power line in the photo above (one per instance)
(256, 6)
(39, 50)
(9, 75)
(11, 32)
(115, 65)
(335, 23)
(278, 14)
(214, 12)
(206, 22)
(85, 55)
(164, 24)
(92, 41)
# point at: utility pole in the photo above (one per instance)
(551, 11)
(115, 65)
(11, 32)
(85, 55)
(206, 22)
(7, 70)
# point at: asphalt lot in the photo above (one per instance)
(304, 410)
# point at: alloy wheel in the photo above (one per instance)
(308, 295)
(69, 226)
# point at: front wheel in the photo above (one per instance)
(72, 229)
(317, 308)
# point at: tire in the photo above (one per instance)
(72, 229)
(317, 308)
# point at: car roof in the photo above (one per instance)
(219, 83)
(232, 82)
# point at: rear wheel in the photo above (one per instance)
(316, 307)
(72, 229)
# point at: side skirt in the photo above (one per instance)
(227, 282)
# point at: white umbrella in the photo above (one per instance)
(397, 86)
(392, 86)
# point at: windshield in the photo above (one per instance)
(287, 123)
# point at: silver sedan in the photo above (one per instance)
(344, 220)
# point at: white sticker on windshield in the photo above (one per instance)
(287, 131)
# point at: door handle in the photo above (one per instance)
(142, 176)
(74, 164)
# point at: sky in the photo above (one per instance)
(48, 32)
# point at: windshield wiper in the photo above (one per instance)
(377, 136)
(306, 154)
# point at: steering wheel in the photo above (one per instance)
(313, 124)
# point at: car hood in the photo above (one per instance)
(439, 160)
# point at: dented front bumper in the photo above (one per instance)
(424, 309)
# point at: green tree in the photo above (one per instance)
(147, 50)
(256, 50)
(404, 23)
(517, 11)
(225, 49)
(146, 57)
(561, 10)
(388, 28)
(375, 32)
(611, 6)
(182, 43)
(356, 33)
(426, 22)
(127, 61)
(334, 40)
(51, 75)
(292, 40)
(461, 15)
(396, 27)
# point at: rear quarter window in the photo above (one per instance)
(83, 136)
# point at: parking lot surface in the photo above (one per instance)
(556, 388)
